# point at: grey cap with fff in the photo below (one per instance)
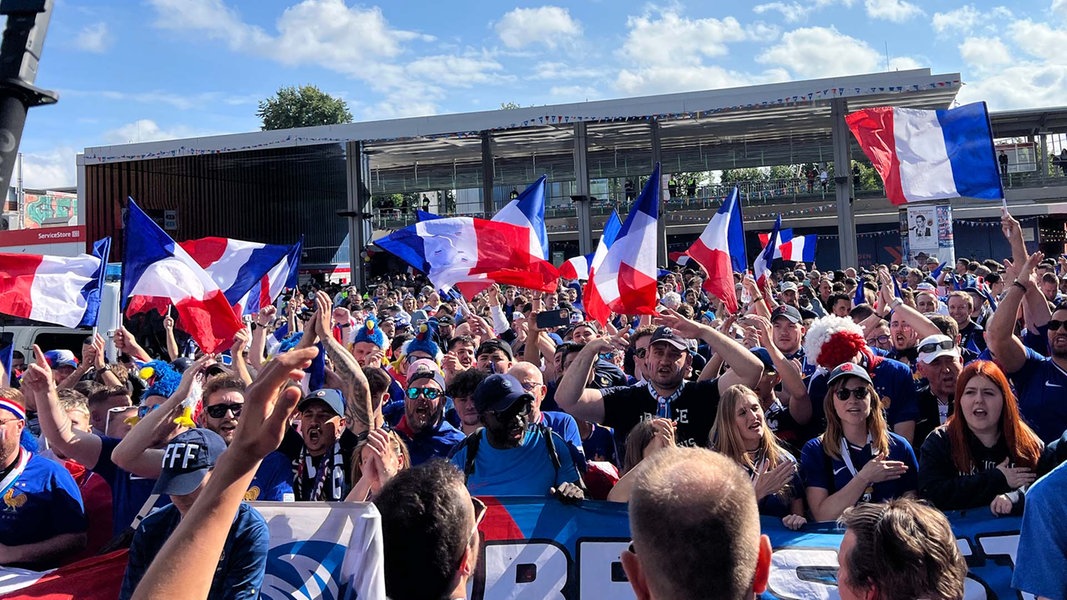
(499, 392)
(186, 461)
(332, 398)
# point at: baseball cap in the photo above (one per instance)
(187, 459)
(925, 286)
(789, 286)
(932, 260)
(445, 320)
(933, 346)
(787, 311)
(499, 392)
(331, 397)
(666, 334)
(848, 370)
(765, 357)
(488, 346)
(61, 358)
(425, 368)
(418, 317)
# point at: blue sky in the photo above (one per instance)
(140, 70)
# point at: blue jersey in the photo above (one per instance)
(273, 481)
(1040, 385)
(239, 575)
(128, 491)
(1041, 563)
(43, 502)
(527, 470)
(817, 469)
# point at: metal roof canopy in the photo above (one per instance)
(772, 124)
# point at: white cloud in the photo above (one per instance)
(667, 79)
(94, 38)
(548, 25)
(985, 55)
(146, 130)
(1021, 85)
(49, 169)
(791, 11)
(814, 52)
(178, 101)
(574, 93)
(670, 40)
(962, 19)
(1038, 39)
(896, 11)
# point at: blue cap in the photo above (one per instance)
(499, 392)
(331, 397)
(186, 461)
(765, 357)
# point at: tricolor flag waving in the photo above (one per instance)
(235, 265)
(721, 250)
(64, 290)
(625, 282)
(930, 154)
(795, 249)
(157, 272)
(762, 266)
(580, 266)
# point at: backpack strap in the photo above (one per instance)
(471, 443)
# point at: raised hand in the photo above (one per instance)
(269, 404)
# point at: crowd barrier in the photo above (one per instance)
(532, 548)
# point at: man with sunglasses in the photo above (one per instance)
(508, 457)
(423, 427)
(1040, 381)
(940, 365)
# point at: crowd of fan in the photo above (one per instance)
(830, 390)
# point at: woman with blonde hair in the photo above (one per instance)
(985, 454)
(741, 433)
(857, 459)
(375, 460)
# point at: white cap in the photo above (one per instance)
(940, 345)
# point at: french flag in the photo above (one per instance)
(625, 281)
(460, 249)
(235, 265)
(796, 249)
(930, 154)
(720, 249)
(54, 289)
(284, 274)
(528, 210)
(157, 272)
(762, 266)
(579, 266)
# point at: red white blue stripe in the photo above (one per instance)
(281, 276)
(580, 266)
(720, 249)
(930, 154)
(54, 289)
(235, 265)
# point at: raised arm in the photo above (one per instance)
(745, 368)
(127, 343)
(82, 446)
(1000, 331)
(259, 336)
(198, 541)
(237, 353)
(172, 343)
(572, 395)
(788, 371)
(355, 386)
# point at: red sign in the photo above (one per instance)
(44, 235)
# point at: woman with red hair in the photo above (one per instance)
(984, 454)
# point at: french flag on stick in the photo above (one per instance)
(458, 249)
(54, 289)
(235, 265)
(625, 281)
(762, 266)
(284, 274)
(580, 266)
(720, 250)
(157, 272)
(930, 154)
(796, 249)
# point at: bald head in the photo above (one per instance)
(706, 499)
(533, 381)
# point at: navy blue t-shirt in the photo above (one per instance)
(895, 386)
(1040, 385)
(128, 491)
(817, 469)
(273, 481)
(44, 501)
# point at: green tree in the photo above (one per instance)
(509, 106)
(305, 106)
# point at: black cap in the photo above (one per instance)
(445, 320)
(787, 311)
(499, 392)
(488, 346)
(666, 334)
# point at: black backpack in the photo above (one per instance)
(472, 441)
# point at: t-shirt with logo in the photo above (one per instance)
(1041, 385)
(43, 502)
(818, 469)
(694, 411)
(273, 480)
(893, 382)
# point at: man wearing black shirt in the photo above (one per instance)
(665, 393)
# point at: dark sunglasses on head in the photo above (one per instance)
(859, 393)
(428, 392)
(1054, 325)
(935, 346)
(218, 411)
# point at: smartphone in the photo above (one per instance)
(560, 317)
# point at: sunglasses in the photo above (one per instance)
(1054, 325)
(427, 392)
(858, 393)
(218, 411)
(935, 346)
(640, 352)
(882, 339)
(479, 514)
